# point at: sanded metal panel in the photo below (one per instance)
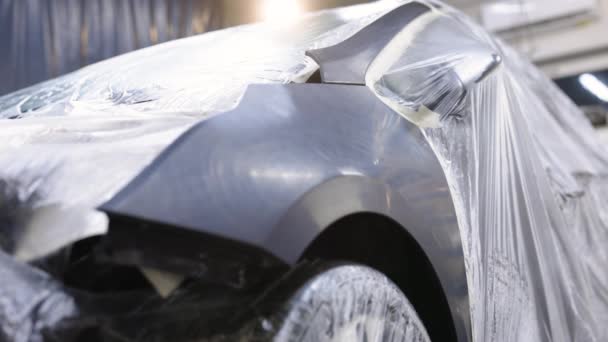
(290, 160)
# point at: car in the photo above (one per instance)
(384, 172)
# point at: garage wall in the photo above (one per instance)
(41, 39)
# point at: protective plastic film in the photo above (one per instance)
(348, 302)
(527, 177)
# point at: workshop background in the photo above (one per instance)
(42, 39)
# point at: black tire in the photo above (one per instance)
(346, 303)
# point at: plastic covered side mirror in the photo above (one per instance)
(426, 72)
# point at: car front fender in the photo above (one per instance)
(290, 160)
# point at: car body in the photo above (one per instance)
(328, 169)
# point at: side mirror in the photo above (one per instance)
(427, 70)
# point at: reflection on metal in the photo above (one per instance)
(428, 69)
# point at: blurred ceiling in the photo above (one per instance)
(237, 12)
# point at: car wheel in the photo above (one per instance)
(347, 303)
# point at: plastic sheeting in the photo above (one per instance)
(526, 173)
(528, 177)
(354, 303)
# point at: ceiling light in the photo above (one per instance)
(280, 11)
(594, 86)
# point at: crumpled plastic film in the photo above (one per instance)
(337, 304)
(528, 178)
(433, 52)
(30, 301)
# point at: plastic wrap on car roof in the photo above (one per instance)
(526, 172)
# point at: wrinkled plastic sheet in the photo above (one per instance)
(527, 175)
(526, 172)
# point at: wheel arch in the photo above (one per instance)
(361, 220)
(377, 241)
